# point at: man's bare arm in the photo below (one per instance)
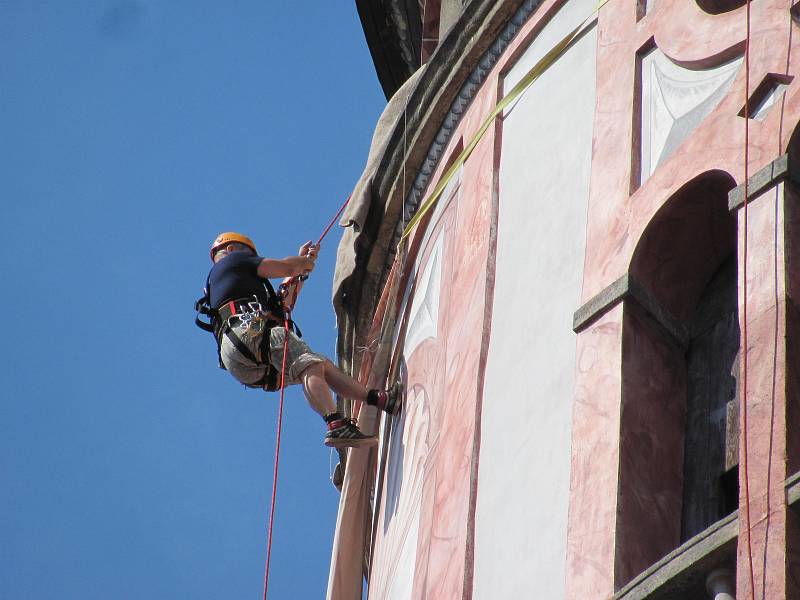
(290, 266)
(291, 286)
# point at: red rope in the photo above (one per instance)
(333, 220)
(280, 415)
(277, 452)
(744, 301)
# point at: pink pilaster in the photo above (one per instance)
(595, 457)
(770, 224)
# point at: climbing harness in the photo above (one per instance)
(253, 322)
(255, 317)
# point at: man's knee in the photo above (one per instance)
(313, 370)
(329, 367)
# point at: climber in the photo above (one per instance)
(247, 318)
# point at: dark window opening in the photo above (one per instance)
(680, 345)
(711, 389)
(729, 483)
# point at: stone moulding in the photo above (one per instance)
(783, 168)
(457, 110)
(449, 82)
(627, 287)
(393, 30)
(687, 565)
(601, 303)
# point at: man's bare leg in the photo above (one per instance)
(344, 384)
(342, 433)
(387, 400)
(317, 391)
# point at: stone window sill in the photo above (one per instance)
(682, 572)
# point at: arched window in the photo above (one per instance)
(679, 421)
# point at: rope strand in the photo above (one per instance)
(277, 453)
(286, 320)
(746, 475)
(333, 220)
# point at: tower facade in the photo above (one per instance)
(569, 314)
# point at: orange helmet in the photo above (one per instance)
(228, 237)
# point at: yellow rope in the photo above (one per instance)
(535, 72)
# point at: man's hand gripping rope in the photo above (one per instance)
(291, 286)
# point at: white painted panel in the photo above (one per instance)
(398, 525)
(523, 487)
(427, 296)
(423, 319)
(408, 450)
(675, 100)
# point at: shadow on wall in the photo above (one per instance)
(717, 7)
(793, 320)
(686, 242)
(394, 470)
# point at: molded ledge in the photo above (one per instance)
(781, 169)
(626, 287)
(682, 572)
(452, 77)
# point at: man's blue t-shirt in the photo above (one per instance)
(235, 276)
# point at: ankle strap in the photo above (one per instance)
(338, 423)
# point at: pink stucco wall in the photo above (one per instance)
(438, 427)
(440, 435)
(618, 217)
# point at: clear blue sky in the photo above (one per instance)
(131, 133)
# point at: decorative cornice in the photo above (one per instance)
(453, 117)
(445, 88)
(781, 169)
(601, 303)
(624, 288)
(393, 31)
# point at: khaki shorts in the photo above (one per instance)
(298, 358)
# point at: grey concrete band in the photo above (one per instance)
(626, 287)
(669, 577)
(783, 168)
(710, 549)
